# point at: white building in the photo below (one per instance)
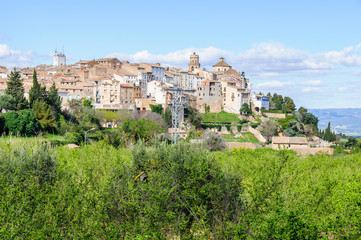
(59, 59)
(260, 101)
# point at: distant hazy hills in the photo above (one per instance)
(345, 120)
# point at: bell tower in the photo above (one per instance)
(194, 62)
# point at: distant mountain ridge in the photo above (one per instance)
(344, 120)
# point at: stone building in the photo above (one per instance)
(209, 93)
(108, 62)
(221, 67)
(194, 62)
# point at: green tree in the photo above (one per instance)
(245, 110)
(207, 108)
(289, 105)
(194, 117)
(15, 88)
(37, 92)
(7, 102)
(43, 114)
(142, 129)
(277, 102)
(302, 110)
(87, 102)
(53, 99)
(156, 108)
(328, 134)
(167, 116)
(21, 123)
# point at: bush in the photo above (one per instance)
(74, 137)
(243, 121)
(182, 190)
(239, 128)
(21, 123)
(214, 142)
(142, 129)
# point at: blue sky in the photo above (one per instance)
(308, 50)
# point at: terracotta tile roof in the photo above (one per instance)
(232, 72)
(222, 63)
(107, 59)
(126, 86)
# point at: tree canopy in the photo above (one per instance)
(16, 89)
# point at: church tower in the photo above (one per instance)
(59, 59)
(194, 62)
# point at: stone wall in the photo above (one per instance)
(257, 134)
(275, 115)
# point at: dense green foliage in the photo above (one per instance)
(156, 108)
(16, 89)
(181, 191)
(54, 100)
(44, 116)
(245, 110)
(7, 102)
(37, 92)
(21, 123)
(193, 116)
(142, 129)
(327, 134)
(280, 103)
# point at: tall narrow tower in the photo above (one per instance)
(59, 59)
(194, 62)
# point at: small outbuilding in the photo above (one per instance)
(289, 142)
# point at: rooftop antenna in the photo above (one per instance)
(63, 50)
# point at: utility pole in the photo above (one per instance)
(177, 111)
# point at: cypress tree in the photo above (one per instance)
(35, 91)
(53, 99)
(15, 88)
(327, 135)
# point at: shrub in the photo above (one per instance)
(74, 137)
(214, 141)
(243, 121)
(21, 123)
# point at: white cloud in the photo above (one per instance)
(15, 58)
(273, 84)
(312, 82)
(263, 60)
(310, 89)
(342, 89)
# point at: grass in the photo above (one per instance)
(248, 137)
(221, 117)
(20, 140)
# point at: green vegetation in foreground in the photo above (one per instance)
(221, 117)
(160, 191)
(247, 137)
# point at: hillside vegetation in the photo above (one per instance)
(160, 191)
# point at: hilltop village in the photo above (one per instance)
(220, 101)
(112, 84)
